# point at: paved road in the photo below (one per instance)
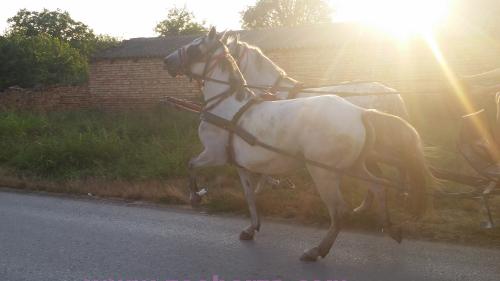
(56, 238)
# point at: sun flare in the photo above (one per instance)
(397, 17)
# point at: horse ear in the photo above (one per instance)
(229, 39)
(222, 35)
(225, 38)
(212, 33)
(237, 38)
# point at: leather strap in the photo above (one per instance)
(230, 147)
(232, 127)
(297, 88)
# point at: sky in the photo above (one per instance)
(129, 19)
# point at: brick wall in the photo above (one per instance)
(45, 99)
(132, 83)
(411, 66)
(407, 67)
(142, 82)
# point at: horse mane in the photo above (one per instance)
(261, 59)
(229, 64)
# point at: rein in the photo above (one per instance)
(303, 89)
(241, 52)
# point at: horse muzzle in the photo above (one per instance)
(173, 65)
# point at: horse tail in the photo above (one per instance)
(396, 138)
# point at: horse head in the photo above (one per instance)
(234, 45)
(193, 59)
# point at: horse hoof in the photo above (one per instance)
(310, 255)
(195, 200)
(246, 236)
(396, 233)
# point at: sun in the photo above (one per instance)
(398, 17)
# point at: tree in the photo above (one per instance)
(102, 42)
(274, 13)
(58, 24)
(47, 47)
(39, 60)
(179, 21)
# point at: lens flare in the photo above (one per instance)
(398, 17)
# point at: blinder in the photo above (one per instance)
(193, 54)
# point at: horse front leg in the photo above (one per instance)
(261, 183)
(194, 196)
(207, 158)
(249, 181)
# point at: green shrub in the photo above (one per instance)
(39, 60)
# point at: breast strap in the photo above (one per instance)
(232, 127)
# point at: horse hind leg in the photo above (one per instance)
(379, 194)
(393, 231)
(248, 181)
(328, 186)
(368, 200)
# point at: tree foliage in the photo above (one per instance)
(274, 13)
(179, 22)
(47, 47)
(39, 60)
(58, 24)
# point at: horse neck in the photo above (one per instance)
(262, 73)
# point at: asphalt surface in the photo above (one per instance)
(57, 238)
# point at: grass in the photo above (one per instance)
(79, 145)
(144, 155)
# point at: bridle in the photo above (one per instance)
(211, 62)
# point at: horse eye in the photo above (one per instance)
(193, 52)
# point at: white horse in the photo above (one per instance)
(260, 71)
(482, 83)
(269, 137)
